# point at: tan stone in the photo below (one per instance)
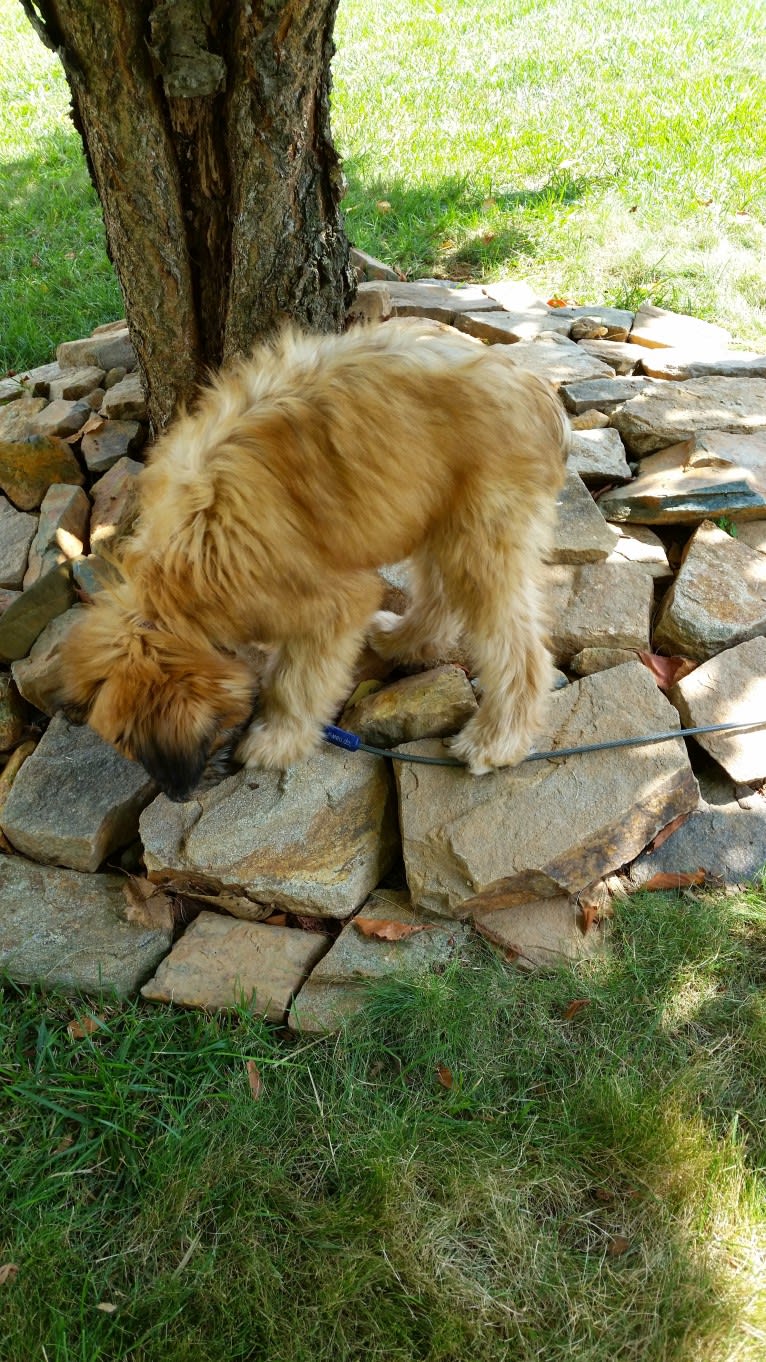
(592, 660)
(25, 618)
(591, 420)
(221, 963)
(61, 532)
(17, 531)
(689, 483)
(29, 468)
(125, 401)
(717, 600)
(684, 364)
(38, 676)
(667, 413)
(541, 932)
(438, 299)
(619, 355)
(115, 505)
(598, 456)
(656, 327)
(506, 328)
(61, 419)
(12, 714)
(431, 704)
(599, 605)
(729, 688)
(559, 360)
(107, 349)
(582, 535)
(16, 419)
(642, 548)
(372, 303)
(74, 383)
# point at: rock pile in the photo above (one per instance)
(290, 888)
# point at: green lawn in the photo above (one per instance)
(604, 153)
(587, 1189)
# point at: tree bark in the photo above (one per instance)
(206, 129)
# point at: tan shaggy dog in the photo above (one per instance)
(265, 513)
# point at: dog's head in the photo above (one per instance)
(166, 702)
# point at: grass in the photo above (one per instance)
(587, 1189)
(601, 155)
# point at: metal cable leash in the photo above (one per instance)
(339, 737)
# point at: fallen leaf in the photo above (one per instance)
(667, 670)
(8, 1272)
(83, 1026)
(70, 255)
(64, 1143)
(92, 423)
(574, 1007)
(276, 920)
(487, 237)
(556, 301)
(444, 1075)
(107, 1307)
(667, 831)
(254, 1079)
(383, 206)
(386, 929)
(675, 879)
(147, 905)
(589, 913)
(619, 1244)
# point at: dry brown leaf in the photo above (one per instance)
(619, 1244)
(8, 1272)
(107, 1307)
(254, 1079)
(444, 1075)
(667, 670)
(83, 1026)
(574, 1007)
(386, 929)
(675, 879)
(667, 832)
(557, 301)
(276, 920)
(383, 206)
(589, 913)
(147, 906)
(65, 1142)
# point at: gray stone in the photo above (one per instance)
(644, 549)
(368, 268)
(220, 963)
(667, 413)
(729, 688)
(126, 401)
(474, 846)
(657, 327)
(601, 394)
(431, 704)
(587, 328)
(589, 420)
(16, 418)
(113, 376)
(752, 533)
(75, 799)
(37, 381)
(102, 448)
(592, 660)
(29, 467)
(74, 383)
(10, 390)
(12, 714)
(17, 530)
(598, 456)
(599, 605)
(542, 932)
(515, 296)
(25, 618)
(61, 419)
(7, 598)
(437, 299)
(371, 303)
(317, 838)
(91, 575)
(61, 532)
(104, 349)
(64, 930)
(505, 328)
(557, 359)
(617, 321)
(683, 364)
(582, 535)
(338, 985)
(619, 355)
(676, 488)
(717, 600)
(115, 505)
(721, 837)
(38, 676)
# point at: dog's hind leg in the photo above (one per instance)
(310, 676)
(428, 628)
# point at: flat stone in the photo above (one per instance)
(38, 676)
(586, 328)
(678, 486)
(16, 418)
(7, 598)
(368, 268)
(114, 376)
(37, 381)
(589, 420)
(665, 414)
(683, 364)
(617, 320)
(61, 532)
(752, 533)
(599, 605)
(104, 349)
(371, 303)
(317, 839)
(473, 846)
(63, 930)
(61, 419)
(431, 704)
(115, 505)
(721, 837)
(557, 359)
(592, 660)
(12, 714)
(542, 932)
(729, 688)
(598, 456)
(438, 299)
(514, 295)
(717, 600)
(657, 327)
(582, 535)
(642, 548)
(619, 355)
(338, 985)
(25, 618)
(10, 390)
(29, 467)
(109, 328)
(17, 530)
(126, 400)
(75, 799)
(220, 964)
(74, 383)
(91, 575)
(601, 394)
(505, 328)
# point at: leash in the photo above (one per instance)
(339, 737)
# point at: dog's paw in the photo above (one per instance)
(274, 747)
(483, 752)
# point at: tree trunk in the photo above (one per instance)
(206, 129)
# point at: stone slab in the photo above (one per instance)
(472, 846)
(371, 303)
(658, 327)
(622, 357)
(431, 704)
(222, 963)
(62, 530)
(642, 548)
(112, 441)
(598, 605)
(17, 531)
(29, 467)
(74, 383)
(12, 714)
(729, 688)
(16, 418)
(581, 535)
(25, 618)
(506, 328)
(10, 390)
(317, 838)
(717, 600)
(437, 299)
(559, 360)
(105, 349)
(617, 320)
(683, 364)
(541, 932)
(37, 381)
(126, 401)
(592, 660)
(60, 419)
(75, 799)
(601, 394)
(38, 676)
(368, 268)
(115, 505)
(667, 413)
(599, 456)
(721, 837)
(64, 930)
(681, 486)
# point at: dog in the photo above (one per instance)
(264, 515)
